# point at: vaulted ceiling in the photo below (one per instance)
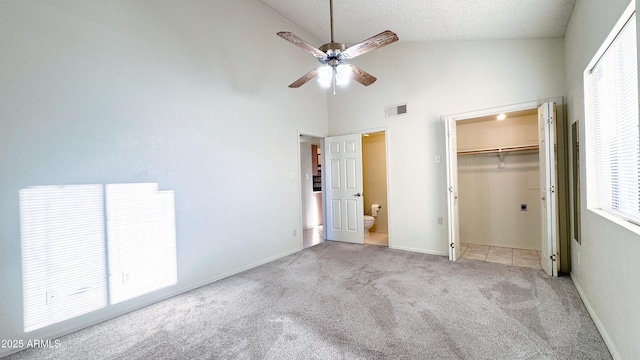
(429, 20)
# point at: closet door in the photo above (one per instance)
(452, 184)
(548, 203)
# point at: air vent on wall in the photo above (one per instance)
(395, 110)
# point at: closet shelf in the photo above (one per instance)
(499, 150)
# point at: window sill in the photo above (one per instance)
(618, 221)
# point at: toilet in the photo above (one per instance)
(368, 223)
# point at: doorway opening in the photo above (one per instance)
(311, 190)
(344, 188)
(499, 188)
(374, 178)
(507, 181)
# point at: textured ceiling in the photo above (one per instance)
(428, 20)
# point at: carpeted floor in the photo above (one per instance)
(343, 301)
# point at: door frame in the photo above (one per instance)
(384, 129)
(562, 240)
(298, 177)
(301, 132)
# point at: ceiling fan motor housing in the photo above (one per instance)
(333, 46)
(334, 53)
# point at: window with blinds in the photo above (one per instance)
(611, 85)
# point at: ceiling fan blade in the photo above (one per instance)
(304, 79)
(360, 75)
(384, 38)
(290, 37)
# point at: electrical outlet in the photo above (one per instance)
(295, 232)
(439, 220)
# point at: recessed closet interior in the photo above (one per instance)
(499, 180)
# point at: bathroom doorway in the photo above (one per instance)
(356, 188)
(374, 178)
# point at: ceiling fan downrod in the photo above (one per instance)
(331, 17)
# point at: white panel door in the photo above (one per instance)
(548, 204)
(452, 190)
(343, 183)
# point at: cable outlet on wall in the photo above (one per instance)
(439, 220)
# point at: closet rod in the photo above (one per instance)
(499, 150)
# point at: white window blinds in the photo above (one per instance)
(614, 100)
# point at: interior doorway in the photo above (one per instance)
(374, 178)
(311, 190)
(501, 184)
(356, 205)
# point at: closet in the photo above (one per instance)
(499, 181)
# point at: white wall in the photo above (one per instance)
(490, 198)
(192, 95)
(605, 266)
(437, 79)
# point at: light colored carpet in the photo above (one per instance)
(342, 301)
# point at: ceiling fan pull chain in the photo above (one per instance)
(334, 77)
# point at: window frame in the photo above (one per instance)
(590, 142)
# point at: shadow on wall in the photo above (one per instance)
(72, 233)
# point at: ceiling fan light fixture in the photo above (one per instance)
(325, 76)
(333, 55)
(342, 75)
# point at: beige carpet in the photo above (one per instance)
(342, 301)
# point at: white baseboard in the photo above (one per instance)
(418, 250)
(596, 320)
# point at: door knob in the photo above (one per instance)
(358, 194)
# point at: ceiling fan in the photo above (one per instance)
(334, 71)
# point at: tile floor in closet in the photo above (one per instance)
(496, 254)
(502, 255)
